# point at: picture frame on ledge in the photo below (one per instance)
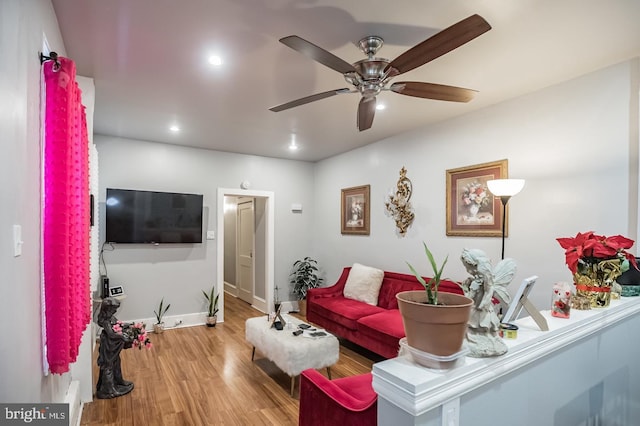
(472, 211)
(354, 211)
(521, 301)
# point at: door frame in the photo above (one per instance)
(269, 271)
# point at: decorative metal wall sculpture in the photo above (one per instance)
(399, 204)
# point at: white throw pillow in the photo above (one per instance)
(363, 284)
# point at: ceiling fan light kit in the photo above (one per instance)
(371, 76)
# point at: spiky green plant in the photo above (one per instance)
(212, 301)
(431, 287)
(160, 313)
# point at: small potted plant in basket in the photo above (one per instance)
(304, 276)
(434, 322)
(158, 327)
(212, 306)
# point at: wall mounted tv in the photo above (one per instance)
(147, 217)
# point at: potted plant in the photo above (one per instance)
(303, 277)
(596, 261)
(212, 306)
(158, 327)
(435, 323)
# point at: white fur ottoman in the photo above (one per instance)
(292, 354)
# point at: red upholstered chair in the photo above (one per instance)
(346, 401)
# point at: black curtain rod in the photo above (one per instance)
(53, 56)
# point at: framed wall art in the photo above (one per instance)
(472, 210)
(354, 210)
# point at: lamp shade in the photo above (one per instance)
(508, 187)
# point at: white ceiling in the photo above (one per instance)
(149, 62)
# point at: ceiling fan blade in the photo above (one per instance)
(308, 99)
(443, 42)
(366, 112)
(433, 91)
(318, 54)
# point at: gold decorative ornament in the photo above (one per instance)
(399, 205)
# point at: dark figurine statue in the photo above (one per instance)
(110, 382)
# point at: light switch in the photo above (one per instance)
(211, 235)
(17, 240)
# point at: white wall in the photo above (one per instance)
(23, 24)
(571, 142)
(179, 272)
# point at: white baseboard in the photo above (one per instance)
(231, 289)
(173, 321)
(259, 304)
(75, 405)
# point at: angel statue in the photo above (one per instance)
(483, 339)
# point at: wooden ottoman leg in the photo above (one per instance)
(253, 353)
(293, 384)
(329, 372)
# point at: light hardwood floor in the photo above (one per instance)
(205, 376)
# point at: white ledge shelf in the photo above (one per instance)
(416, 389)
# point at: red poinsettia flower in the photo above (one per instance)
(590, 245)
(575, 248)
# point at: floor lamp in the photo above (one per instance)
(505, 189)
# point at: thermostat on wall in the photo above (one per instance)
(116, 290)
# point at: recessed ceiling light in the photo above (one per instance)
(293, 146)
(380, 107)
(174, 128)
(215, 60)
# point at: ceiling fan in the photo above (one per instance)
(370, 76)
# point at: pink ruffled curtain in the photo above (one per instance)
(67, 307)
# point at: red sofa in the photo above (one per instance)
(377, 328)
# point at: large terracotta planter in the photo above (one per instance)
(436, 329)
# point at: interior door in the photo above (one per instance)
(245, 250)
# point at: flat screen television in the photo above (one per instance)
(148, 217)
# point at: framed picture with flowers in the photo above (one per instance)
(354, 210)
(472, 211)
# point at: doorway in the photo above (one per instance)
(263, 254)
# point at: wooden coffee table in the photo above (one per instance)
(292, 354)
